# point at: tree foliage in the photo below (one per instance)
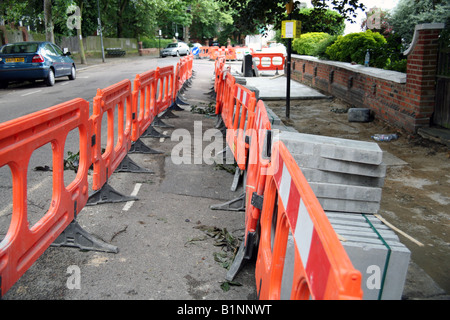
(408, 13)
(124, 18)
(318, 20)
(253, 15)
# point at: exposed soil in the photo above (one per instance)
(416, 194)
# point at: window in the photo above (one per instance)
(58, 50)
(49, 50)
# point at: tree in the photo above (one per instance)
(318, 20)
(257, 14)
(208, 16)
(49, 36)
(408, 13)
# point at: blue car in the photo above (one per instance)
(34, 61)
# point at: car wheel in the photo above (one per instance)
(3, 84)
(73, 74)
(50, 80)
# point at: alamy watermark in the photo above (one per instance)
(208, 147)
(74, 280)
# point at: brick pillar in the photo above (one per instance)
(421, 73)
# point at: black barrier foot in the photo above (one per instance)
(107, 195)
(237, 204)
(75, 236)
(140, 147)
(237, 264)
(236, 179)
(180, 101)
(219, 122)
(175, 107)
(168, 114)
(128, 165)
(153, 133)
(159, 123)
(245, 253)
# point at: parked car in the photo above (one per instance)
(35, 61)
(175, 49)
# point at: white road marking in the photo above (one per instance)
(129, 204)
(162, 139)
(33, 92)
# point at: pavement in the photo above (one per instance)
(171, 245)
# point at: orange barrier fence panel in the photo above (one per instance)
(219, 65)
(144, 102)
(204, 52)
(244, 102)
(19, 138)
(258, 162)
(213, 52)
(226, 105)
(230, 53)
(269, 61)
(114, 101)
(220, 86)
(322, 268)
(190, 65)
(165, 88)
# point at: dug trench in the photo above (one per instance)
(416, 192)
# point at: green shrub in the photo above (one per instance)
(154, 43)
(353, 47)
(321, 47)
(307, 43)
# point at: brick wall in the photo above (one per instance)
(404, 100)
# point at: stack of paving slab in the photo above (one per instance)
(347, 177)
(376, 251)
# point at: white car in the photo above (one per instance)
(175, 50)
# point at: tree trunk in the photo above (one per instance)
(49, 36)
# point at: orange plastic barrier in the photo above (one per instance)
(219, 82)
(144, 102)
(258, 162)
(190, 65)
(204, 52)
(183, 73)
(322, 268)
(165, 88)
(106, 101)
(244, 101)
(23, 245)
(225, 107)
(216, 52)
(230, 53)
(127, 117)
(269, 61)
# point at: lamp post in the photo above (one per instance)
(289, 8)
(100, 30)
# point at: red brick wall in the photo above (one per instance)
(405, 104)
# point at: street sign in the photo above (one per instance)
(195, 51)
(291, 29)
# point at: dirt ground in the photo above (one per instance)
(416, 194)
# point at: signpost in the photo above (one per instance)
(289, 29)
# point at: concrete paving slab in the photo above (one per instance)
(274, 88)
(333, 148)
